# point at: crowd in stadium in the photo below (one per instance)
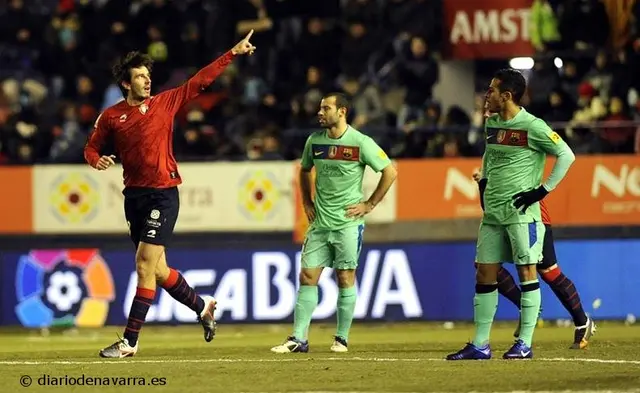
(55, 58)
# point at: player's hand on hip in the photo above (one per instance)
(244, 46)
(310, 211)
(358, 210)
(525, 199)
(105, 162)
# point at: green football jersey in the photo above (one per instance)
(514, 161)
(340, 165)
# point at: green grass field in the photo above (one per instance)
(382, 358)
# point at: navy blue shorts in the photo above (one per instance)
(151, 214)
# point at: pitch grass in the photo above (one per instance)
(382, 358)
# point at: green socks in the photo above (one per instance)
(485, 304)
(305, 305)
(307, 302)
(530, 309)
(346, 307)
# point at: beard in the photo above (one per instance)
(326, 123)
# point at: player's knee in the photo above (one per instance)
(527, 273)
(309, 277)
(487, 273)
(346, 278)
(146, 260)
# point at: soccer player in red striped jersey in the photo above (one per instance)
(141, 129)
(561, 285)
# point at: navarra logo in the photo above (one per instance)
(259, 194)
(74, 198)
(63, 288)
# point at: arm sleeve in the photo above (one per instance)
(307, 159)
(174, 99)
(97, 140)
(544, 139)
(372, 155)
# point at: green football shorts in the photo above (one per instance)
(337, 249)
(515, 243)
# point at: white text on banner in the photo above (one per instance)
(246, 197)
(213, 197)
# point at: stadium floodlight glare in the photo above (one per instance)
(521, 63)
(558, 62)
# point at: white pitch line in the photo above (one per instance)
(280, 360)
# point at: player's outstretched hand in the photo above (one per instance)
(527, 198)
(310, 211)
(105, 162)
(358, 210)
(244, 46)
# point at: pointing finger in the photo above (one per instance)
(248, 37)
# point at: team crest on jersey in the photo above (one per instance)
(333, 150)
(143, 108)
(514, 138)
(123, 118)
(500, 136)
(347, 153)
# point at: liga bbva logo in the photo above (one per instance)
(63, 288)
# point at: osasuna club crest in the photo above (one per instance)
(143, 108)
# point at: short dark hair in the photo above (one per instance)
(342, 101)
(122, 69)
(512, 81)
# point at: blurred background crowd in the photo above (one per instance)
(56, 57)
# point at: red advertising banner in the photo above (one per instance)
(487, 29)
(597, 191)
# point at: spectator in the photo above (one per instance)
(418, 73)
(543, 27)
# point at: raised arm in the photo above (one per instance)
(174, 99)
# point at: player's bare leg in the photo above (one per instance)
(485, 304)
(346, 307)
(147, 257)
(204, 306)
(566, 292)
(306, 303)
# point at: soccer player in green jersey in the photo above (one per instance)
(340, 154)
(511, 227)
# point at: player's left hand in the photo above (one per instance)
(527, 198)
(358, 210)
(244, 46)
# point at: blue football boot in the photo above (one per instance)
(471, 352)
(519, 350)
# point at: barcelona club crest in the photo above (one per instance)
(143, 108)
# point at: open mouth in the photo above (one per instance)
(147, 89)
